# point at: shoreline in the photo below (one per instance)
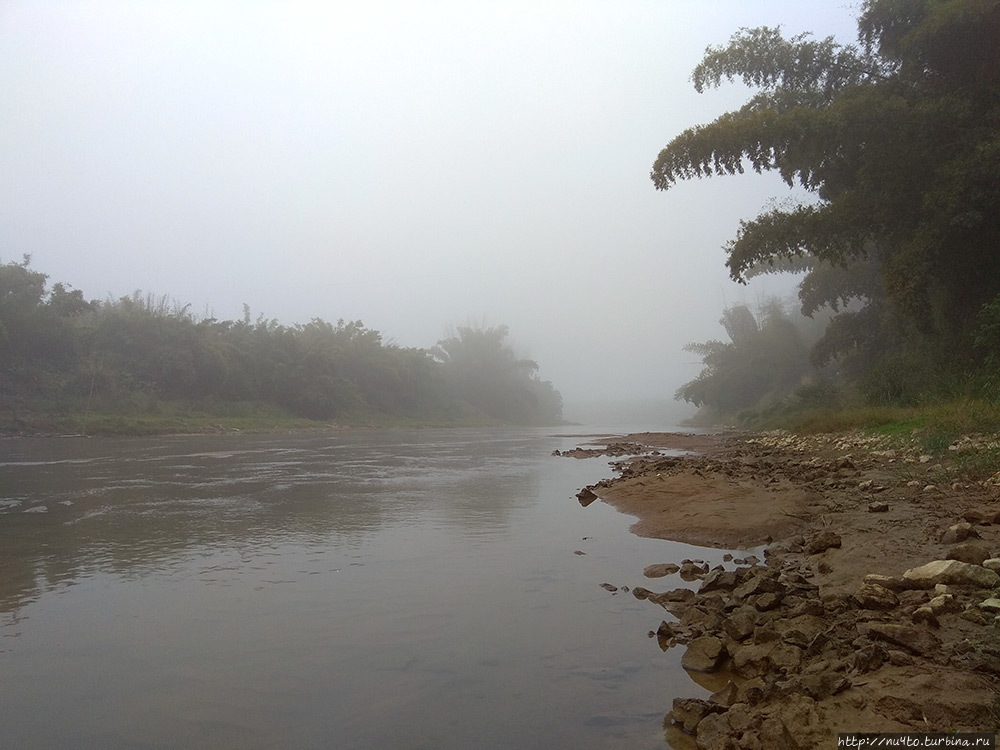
(837, 631)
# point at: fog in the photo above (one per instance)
(412, 165)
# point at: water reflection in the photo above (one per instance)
(396, 588)
(130, 505)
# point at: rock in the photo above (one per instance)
(752, 691)
(703, 654)
(751, 660)
(776, 736)
(873, 596)
(887, 582)
(975, 516)
(680, 595)
(713, 733)
(740, 718)
(586, 496)
(740, 624)
(785, 658)
(991, 605)
(798, 606)
(925, 615)
(869, 658)
(992, 564)
(801, 630)
(951, 572)
(878, 507)
(691, 571)
(726, 696)
(899, 658)
(767, 602)
(915, 640)
(688, 712)
(758, 584)
(943, 603)
(609, 587)
(666, 630)
(958, 533)
(823, 685)
(641, 593)
(974, 615)
(661, 570)
(974, 553)
(765, 634)
(718, 580)
(821, 541)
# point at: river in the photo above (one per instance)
(358, 589)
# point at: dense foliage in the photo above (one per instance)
(765, 359)
(62, 354)
(897, 141)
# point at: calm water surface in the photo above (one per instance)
(396, 588)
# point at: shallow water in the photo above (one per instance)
(393, 588)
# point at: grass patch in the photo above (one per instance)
(934, 426)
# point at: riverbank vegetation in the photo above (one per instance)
(895, 143)
(144, 363)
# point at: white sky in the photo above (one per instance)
(413, 165)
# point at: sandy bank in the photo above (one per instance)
(829, 635)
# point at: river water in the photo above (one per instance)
(360, 589)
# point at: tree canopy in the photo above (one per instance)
(62, 356)
(897, 140)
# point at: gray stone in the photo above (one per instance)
(974, 615)
(869, 658)
(726, 696)
(925, 615)
(823, 685)
(713, 733)
(913, 639)
(741, 622)
(887, 582)
(703, 654)
(821, 541)
(680, 595)
(666, 630)
(991, 605)
(767, 602)
(660, 570)
(951, 572)
(943, 603)
(974, 553)
(958, 533)
(688, 712)
(758, 584)
(752, 691)
(874, 596)
(800, 631)
(785, 658)
(718, 580)
(751, 660)
(691, 571)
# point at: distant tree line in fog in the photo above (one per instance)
(61, 354)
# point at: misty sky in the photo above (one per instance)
(414, 165)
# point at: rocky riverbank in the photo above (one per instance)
(875, 607)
